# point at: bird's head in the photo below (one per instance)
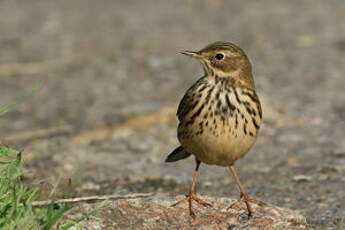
(224, 59)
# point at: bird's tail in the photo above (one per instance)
(178, 154)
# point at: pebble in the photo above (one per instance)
(302, 178)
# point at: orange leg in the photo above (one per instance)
(243, 194)
(192, 193)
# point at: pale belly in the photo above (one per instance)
(223, 149)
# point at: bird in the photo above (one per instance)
(219, 116)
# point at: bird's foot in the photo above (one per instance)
(190, 197)
(247, 200)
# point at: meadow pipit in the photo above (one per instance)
(220, 115)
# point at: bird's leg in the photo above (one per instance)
(243, 194)
(192, 193)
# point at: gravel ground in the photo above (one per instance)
(102, 62)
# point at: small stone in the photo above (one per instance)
(208, 183)
(302, 178)
(90, 186)
(339, 154)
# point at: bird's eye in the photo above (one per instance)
(219, 56)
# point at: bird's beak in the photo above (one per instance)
(192, 54)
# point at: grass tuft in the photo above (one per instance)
(16, 211)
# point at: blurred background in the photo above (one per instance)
(112, 79)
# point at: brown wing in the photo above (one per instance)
(190, 99)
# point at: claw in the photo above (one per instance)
(192, 197)
(246, 199)
(201, 202)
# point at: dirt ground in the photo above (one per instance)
(112, 78)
